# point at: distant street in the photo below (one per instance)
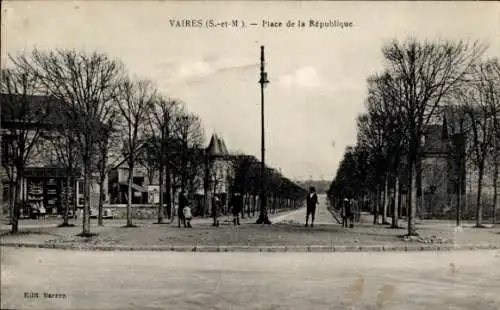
(172, 280)
(322, 217)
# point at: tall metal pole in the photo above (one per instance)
(263, 219)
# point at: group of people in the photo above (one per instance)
(346, 210)
(236, 206)
(186, 215)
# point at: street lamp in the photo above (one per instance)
(263, 219)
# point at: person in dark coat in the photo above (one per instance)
(343, 212)
(183, 202)
(236, 205)
(216, 204)
(312, 201)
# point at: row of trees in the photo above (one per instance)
(93, 116)
(422, 81)
(247, 178)
(90, 115)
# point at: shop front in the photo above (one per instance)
(47, 192)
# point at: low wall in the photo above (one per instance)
(138, 211)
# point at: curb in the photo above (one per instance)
(278, 249)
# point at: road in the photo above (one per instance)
(177, 280)
(322, 217)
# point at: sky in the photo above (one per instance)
(317, 76)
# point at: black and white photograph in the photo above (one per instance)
(250, 155)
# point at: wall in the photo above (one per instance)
(138, 211)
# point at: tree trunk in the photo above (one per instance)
(206, 199)
(495, 194)
(459, 198)
(129, 193)
(12, 199)
(101, 202)
(395, 213)
(66, 209)
(168, 191)
(412, 199)
(215, 207)
(386, 199)
(249, 205)
(479, 207)
(376, 205)
(74, 185)
(423, 209)
(254, 204)
(17, 203)
(160, 206)
(86, 205)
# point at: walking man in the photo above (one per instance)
(312, 201)
(236, 207)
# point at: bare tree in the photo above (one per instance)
(134, 103)
(108, 157)
(24, 116)
(387, 130)
(479, 96)
(191, 138)
(371, 136)
(86, 84)
(162, 132)
(428, 72)
(459, 127)
(493, 88)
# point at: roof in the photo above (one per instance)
(31, 110)
(217, 147)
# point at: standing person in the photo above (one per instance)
(312, 201)
(236, 205)
(187, 216)
(343, 212)
(183, 202)
(215, 209)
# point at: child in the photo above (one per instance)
(187, 216)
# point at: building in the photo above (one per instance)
(444, 168)
(24, 120)
(215, 176)
(117, 185)
(46, 180)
